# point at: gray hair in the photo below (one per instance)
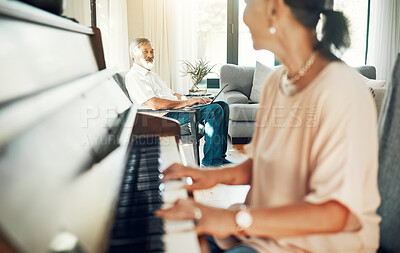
(137, 43)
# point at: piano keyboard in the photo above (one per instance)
(135, 228)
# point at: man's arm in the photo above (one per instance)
(160, 103)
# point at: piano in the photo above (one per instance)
(79, 166)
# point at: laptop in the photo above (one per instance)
(212, 101)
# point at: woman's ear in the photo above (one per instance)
(277, 8)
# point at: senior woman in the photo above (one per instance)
(312, 161)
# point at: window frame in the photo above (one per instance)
(93, 11)
(232, 53)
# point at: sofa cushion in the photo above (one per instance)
(243, 112)
(373, 83)
(380, 93)
(234, 97)
(260, 74)
(240, 129)
(238, 78)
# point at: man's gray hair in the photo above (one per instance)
(137, 43)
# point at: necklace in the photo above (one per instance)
(289, 81)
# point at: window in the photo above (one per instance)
(357, 13)
(223, 36)
(212, 32)
(247, 56)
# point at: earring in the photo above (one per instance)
(272, 30)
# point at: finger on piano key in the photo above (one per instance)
(170, 197)
(175, 184)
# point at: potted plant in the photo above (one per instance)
(197, 71)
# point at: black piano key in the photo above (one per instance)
(150, 149)
(140, 198)
(141, 186)
(144, 197)
(147, 244)
(128, 228)
(146, 177)
(128, 179)
(143, 168)
(137, 211)
(146, 142)
(150, 158)
(135, 227)
(146, 166)
(149, 161)
(149, 185)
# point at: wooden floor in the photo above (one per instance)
(224, 196)
(239, 148)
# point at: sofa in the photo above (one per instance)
(244, 86)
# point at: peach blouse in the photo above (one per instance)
(317, 145)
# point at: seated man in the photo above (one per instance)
(148, 89)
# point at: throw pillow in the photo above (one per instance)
(261, 72)
(373, 83)
(372, 92)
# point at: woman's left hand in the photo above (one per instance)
(213, 221)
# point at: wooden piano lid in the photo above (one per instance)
(149, 125)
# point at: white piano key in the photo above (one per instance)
(180, 235)
(178, 226)
(172, 196)
(182, 242)
(175, 184)
(169, 153)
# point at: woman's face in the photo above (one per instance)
(258, 18)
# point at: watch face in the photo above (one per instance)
(244, 219)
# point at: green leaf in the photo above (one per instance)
(197, 70)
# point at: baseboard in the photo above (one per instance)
(240, 140)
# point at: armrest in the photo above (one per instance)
(234, 97)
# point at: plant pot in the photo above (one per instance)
(198, 90)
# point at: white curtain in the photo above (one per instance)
(78, 9)
(113, 23)
(170, 25)
(384, 36)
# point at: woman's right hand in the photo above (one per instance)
(202, 179)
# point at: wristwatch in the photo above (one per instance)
(243, 220)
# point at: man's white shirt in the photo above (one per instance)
(143, 85)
